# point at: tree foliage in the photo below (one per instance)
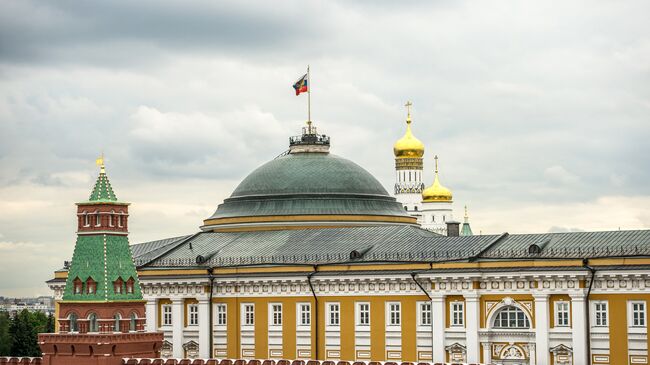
(19, 335)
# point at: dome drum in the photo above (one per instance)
(409, 163)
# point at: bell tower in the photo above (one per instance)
(409, 152)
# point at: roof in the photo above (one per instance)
(102, 191)
(309, 184)
(388, 243)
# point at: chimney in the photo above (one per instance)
(453, 229)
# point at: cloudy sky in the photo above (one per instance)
(539, 110)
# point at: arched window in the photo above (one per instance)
(511, 317)
(74, 326)
(117, 317)
(86, 220)
(98, 220)
(406, 208)
(110, 218)
(92, 323)
(119, 221)
(132, 322)
(433, 218)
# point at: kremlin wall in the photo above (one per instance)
(311, 258)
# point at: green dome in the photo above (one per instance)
(309, 184)
(309, 173)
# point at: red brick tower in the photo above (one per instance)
(102, 313)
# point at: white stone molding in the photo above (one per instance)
(472, 315)
(541, 328)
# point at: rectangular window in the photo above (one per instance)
(457, 314)
(86, 220)
(334, 314)
(600, 313)
(562, 314)
(638, 314)
(98, 220)
(305, 314)
(363, 314)
(110, 220)
(193, 309)
(249, 314)
(119, 221)
(276, 314)
(167, 315)
(221, 315)
(394, 314)
(425, 314)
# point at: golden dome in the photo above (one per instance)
(436, 192)
(408, 146)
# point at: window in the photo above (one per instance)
(457, 314)
(562, 314)
(433, 218)
(167, 315)
(74, 325)
(638, 314)
(110, 219)
(425, 314)
(394, 314)
(334, 314)
(91, 286)
(116, 326)
(444, 218)
(98, 220)
(276, 314)
(415, 208)
(119, 221)
(78, 285)
(600, 313)
(92, 323)
(249, 314)
(132, 322)
(129, 286)
(117, 286)
(193, 309)
(86, 220)
(363, 314)
(221, 315)
(511, 317)
(305, 314)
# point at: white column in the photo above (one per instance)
(472, 315)
(151, 309)
(177, 327)
(579, 328)
(541, 328)
(487, 352)
(532, 353)
(204, 329)
(438, 325)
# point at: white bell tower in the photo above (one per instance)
(409, 152)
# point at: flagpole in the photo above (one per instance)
(308, 98)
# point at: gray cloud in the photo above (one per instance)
(538, 110)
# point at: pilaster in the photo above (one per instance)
(579, 328)
(438, 312)
(472, 315)
(177, 327)
(151, 313)
(204, 329)
(541, 328)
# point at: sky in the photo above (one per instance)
(539, 110)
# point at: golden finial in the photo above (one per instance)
(408, 111)
(100, 162)
(436, 159)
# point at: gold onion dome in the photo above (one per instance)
(436, 192)
(408, 146)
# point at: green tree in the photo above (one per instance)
(24, 335)
(5, 335)
(50, 324)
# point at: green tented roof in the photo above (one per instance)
(104, 258)
(102, 192)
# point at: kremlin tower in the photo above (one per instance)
(101, 316)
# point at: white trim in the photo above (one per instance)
(567, 312)
(643, 314)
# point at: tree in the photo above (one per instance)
(49, 328)
(5, 336)
(24, 335)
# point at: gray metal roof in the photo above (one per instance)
(388, 243)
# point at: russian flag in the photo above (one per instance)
(301, 86)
